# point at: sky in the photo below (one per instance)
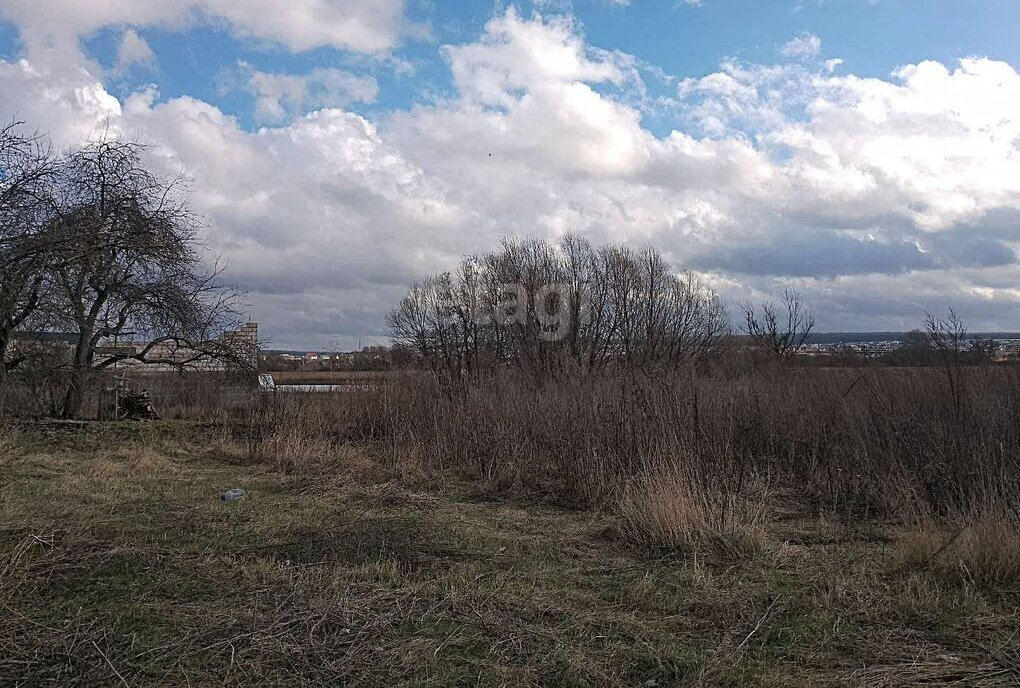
(863, 152)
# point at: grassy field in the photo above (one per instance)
(119, 565)
(327, 377)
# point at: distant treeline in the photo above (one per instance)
(552, 309)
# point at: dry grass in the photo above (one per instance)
(674, 507)
(858, 444)
(979, 544)
(334, 377)
(120, 565)
(10, 441)
(420, 533)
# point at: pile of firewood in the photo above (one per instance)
(135, 406)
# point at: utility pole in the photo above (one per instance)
(330, 347)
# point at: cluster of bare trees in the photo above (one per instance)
(778, 329)
(550, 308)
(98, 247)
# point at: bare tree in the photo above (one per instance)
(696, 320)
(27, 247)
(423, 322)
(948, 336)
(981, 350)
(915, 349)
(778, 329)
(135, 268)
(549, 309)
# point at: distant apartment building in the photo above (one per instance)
(243, 345)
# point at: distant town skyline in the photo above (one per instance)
(865, 152)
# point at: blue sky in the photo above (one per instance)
(680, 39)
(866, 152)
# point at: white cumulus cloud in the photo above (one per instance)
(368, 27)
(805, 47)
(877, 198)
(281, 95)
(133, 50)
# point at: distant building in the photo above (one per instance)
(243, 343)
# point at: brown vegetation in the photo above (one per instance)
(350, 564)
(715, 525)
(332, 377)
(676, 508)
(708, 448)
(642, 477)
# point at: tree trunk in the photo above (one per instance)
(75, 395)
(3, 377)
(5, 345)
(4, 339)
